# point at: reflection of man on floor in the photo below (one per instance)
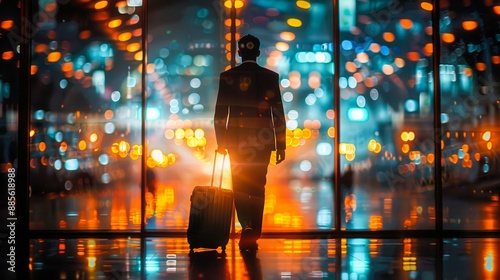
(249, 123)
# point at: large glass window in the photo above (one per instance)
(90, 76)
(386, 117)
(190, 43)
(470, 61)
(185, 55)
(85, 134)
(298, 44)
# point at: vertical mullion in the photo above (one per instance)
(144, 42)
(336, 105)
(438, 194)
(143, 111)
(438, 187)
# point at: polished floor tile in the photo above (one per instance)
(277, 258)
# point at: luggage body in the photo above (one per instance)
(210, 215)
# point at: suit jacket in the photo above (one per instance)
(249, 109)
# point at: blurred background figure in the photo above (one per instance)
(349, 197)
(347, 179)
(151, 193)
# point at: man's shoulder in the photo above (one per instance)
(228, 72)
(252, 67)
(269, 71)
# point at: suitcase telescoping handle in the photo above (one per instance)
(221, 169)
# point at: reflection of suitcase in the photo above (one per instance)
(210, 215)
(208, 265)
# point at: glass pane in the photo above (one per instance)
(470, 63)
(86, 107)
(386, 116)
(184, 60)
(297, 43)
(190, 44)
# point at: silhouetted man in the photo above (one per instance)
(249, 123)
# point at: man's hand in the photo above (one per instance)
(221, 151)
(280, 156)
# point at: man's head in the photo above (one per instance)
(248, 47)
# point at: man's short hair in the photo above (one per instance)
(249, 45)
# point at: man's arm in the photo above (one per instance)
(279, 121)
(221, 115)
(278, 115)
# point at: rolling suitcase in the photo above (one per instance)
(210, 215)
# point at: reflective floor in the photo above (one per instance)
(291, 205)
(277, 258)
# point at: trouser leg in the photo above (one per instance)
(250, 210)
(249, 180)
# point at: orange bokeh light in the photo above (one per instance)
(481, 66)
(8, 55)
(350, 66)
(428, 49)
(53, 56)
(7, 24)
(66, 67)
(34, 69)
(413, 56)
(125, 36)
(133, 47)
(406, 23)
(496, 9)
(495, 59)
(469, 25)
(426, 6)
(85, 34)
(287, 36)
(101, 5)
(448, 38)
(115, 23)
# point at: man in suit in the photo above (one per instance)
(249, 124)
